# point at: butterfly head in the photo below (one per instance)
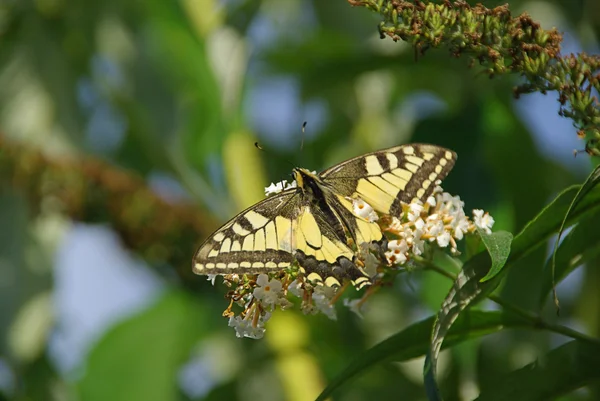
(305, 179)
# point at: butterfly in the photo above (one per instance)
(316, 223)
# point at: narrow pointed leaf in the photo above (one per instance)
(466, 290)
(413, 342)
(562, 370)
(589, 184)
(549, 220)
(581, 245)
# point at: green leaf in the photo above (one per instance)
(472, 246)
(588, 185)
(139, 358)
(581, 245)
(549, 220)
(183, 56)
(412, 342)
(467, 288)
(498, 245)
(562, 370)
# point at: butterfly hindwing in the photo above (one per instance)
(388, 177)
(322, 248)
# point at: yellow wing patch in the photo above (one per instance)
(283, 227)
(367, 232)
(312, 242)
(374, 196)
(310, 229)
(271, 236)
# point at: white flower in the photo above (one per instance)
(355, 305)
(291, 185)
(433, 217)
(443, 240)
(268, 291)
(308, 308)
(211, 278)
(244, 327)
(396, 246)
(295, 288)
(460, 226)
(447, 198)
(396, 253)
(452, 204)
(284, 303)
(364, 210)
(420, 224)
(414, 210)
(255, 332)
(431, 201)
(240, 325)
(396, 225)
(483, 221)
(322, 297)
(418, 245)
(275, 188)
(435, 227)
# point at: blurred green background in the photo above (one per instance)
(177, 93)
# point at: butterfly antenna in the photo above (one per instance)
(302, 137)
(257, 146)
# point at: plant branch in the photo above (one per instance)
(536, 320)
(502, 44)
(90, 190)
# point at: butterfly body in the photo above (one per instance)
(317, 223)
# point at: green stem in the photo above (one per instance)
(536, 321)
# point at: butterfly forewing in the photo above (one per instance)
(388, 177)
(260, 238)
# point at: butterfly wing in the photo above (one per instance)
(388, 177)
(256, 240)
(268, 235)
(322, 249)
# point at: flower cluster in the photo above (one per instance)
(260, 294)
(277, 187)
(439, 222)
